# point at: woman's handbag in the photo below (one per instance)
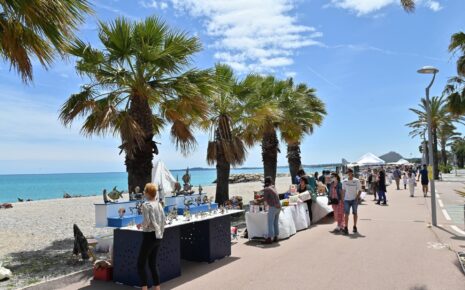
(334, 201)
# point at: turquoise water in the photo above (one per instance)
(48, 186)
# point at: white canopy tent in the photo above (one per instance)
(163, 178)
(370, 159)
(402, 162)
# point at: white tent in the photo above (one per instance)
(402, 162)
(163, 178)
(370, 159)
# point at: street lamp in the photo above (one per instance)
(430, 70)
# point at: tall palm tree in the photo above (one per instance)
(262, 115)
(302, 111)
(439, 116)
(446, 134)
(226, 147)
(140, 82)
(458, 148)
(38, 28)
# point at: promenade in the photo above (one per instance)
(396, 248)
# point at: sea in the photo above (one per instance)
(51, 186)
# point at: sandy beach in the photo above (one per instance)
(35, 225)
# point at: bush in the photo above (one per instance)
(445, 168)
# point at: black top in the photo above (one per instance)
(382, 181)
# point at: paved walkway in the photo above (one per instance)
(395, 249)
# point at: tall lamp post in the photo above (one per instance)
(433, 71)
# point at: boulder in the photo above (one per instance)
(249, 177)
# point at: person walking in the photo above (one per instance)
(153, 227)
(337, 201)
(351, 189)
(271, 198)
(405, 179)
(424, 180)
(397, 175)
(411, 183)
(381, 187)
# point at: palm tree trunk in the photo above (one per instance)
(435, 154)
(293, 158)
(139, 164)
(443, 153)
(270, 148)
(222, 176)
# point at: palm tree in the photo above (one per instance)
(458, 148)
(455, 94)
(457, 44)
(37, 28)
(139, 83)
(446, 134)
(226, 148)
(439, 116)
(262, 115)
(302, 111)
(408, 5)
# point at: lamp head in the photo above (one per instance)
(428, 70)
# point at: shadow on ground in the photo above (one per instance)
(30, 267)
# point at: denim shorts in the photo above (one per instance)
(350, 204)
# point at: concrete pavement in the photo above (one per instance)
(395, 249)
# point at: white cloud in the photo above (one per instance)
(252, 35)
(433, 5)
(364, 7)
(154, 4)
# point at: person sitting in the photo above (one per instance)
(303, 186)
(292, 191)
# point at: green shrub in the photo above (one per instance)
(445, 168)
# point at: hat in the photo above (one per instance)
(350, 170)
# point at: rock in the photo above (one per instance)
(66, 195)
(249, 177)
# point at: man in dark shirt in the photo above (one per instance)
(424, 179)
(271, 198)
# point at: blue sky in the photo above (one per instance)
(361, 56)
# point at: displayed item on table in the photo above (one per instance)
(321, 188)
(187, 187)
(234, 202)
(198, 200)
(115, 194)
(200, 189)
(121, 212)
(105, 198)
(285, 202)
(234, 233)
(293, 189)
(177, 188)
(205, 199)
(294, 199)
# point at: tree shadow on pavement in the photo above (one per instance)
(356, 236)
(419, 287)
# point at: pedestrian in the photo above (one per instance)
(397, 175)
(337, 201)
(374, 183)
(351, 188)
(315, 175)
(381, 187)
(271, 198)
(153, 226)
(411, 183)
(405, 179)
(424, 180)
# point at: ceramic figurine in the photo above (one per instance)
(121, 212)
(198, 200)
(105, 198)
(115, 194)
(200, 189)
(205, 199)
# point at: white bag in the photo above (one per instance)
(304, 196)
(294, 199)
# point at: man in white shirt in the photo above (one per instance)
(352, 190)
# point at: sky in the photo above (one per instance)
(360, 55)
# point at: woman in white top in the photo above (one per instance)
(153, 227)
(411, 183)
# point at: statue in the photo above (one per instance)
(105, 198)
(186, 177)
(200, 189)
(115, 194)
(80, 243)
(187, 187)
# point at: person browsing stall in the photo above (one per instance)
(304, 186)
(352, 189)
(153, 227)
(271, 198)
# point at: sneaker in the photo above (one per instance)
(336, 230)
(354, 229)
(275, 240)
(345, 231)
(378, 202)
(384, 203)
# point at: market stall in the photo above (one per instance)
(320, 208)
(206, 238)
(292, 218)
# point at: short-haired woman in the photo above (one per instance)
(153, 227)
